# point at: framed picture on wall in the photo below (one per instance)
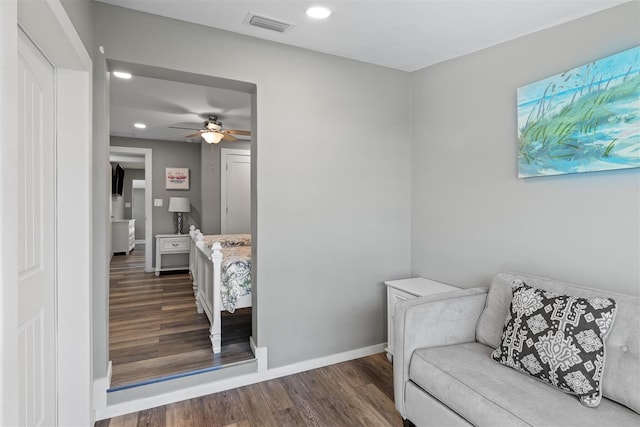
(177, 178)
(583, 120)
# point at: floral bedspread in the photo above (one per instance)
(236, 267)
(228, 240)
(236, 275)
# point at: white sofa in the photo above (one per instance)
(444, 374)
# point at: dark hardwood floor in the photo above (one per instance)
(154, 329)
(354, 393)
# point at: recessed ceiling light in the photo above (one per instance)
(122, 75)
(318, 12)
(140, 125)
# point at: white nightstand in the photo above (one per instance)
(400, 290)
(123, 235)
(169, 244)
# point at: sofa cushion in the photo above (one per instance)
(621, 378)
(557, 339)
(465, 378)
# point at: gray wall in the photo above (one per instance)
(468, 217)
(101, 203)
(119, 209)
(211, 174)
(117, 206)
(333, 190)
(138, 211)
(129, 176)
(471, 215)
(81, 14)
(169, 154)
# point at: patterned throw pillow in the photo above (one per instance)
(558, 339)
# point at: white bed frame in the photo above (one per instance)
(205, 267)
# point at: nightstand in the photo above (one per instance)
(123, 235)
(400, 290)
(170, 244)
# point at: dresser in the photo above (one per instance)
(400, 290)
(171, 244)
(123, 235)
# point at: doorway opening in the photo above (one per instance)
(167, 295)
(138, 189)
(140, 161)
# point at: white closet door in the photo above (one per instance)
(236, 191)
(36, 242)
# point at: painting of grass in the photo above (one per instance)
(583, 120)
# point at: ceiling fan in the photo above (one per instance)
(212, 131)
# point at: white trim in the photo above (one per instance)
(224, 152)
(8, 215)
(47, 24)
(260, 354)
(323, 361)
(148, 207)
(100, 387)
(229, 383)
(74, 246)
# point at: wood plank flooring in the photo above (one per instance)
(354, 393)
(155, 330)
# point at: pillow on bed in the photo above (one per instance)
(558, 339)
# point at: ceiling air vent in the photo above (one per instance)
(268, 23)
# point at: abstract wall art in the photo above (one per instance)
(583, 120)
(177, 178)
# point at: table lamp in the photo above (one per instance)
(179, 205)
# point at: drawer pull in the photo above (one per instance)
(174, 244)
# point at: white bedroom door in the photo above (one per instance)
(236, 191)
(36, 237)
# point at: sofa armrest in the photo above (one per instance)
(434, 320)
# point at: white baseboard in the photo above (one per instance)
(319, 362)
(100, 387)
(262, 374)
(261, 355)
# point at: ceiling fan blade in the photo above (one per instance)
(228, 137)
(194, 134)
(238, 132)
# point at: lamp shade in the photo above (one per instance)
(179, 204)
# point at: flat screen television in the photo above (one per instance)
(117, 182)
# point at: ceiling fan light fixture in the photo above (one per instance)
(212, 137)
(213, 126)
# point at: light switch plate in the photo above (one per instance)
(157, 202)
(127, 205)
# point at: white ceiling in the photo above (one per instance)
(162, 103)
(403, 34)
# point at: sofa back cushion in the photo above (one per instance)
(621, 380)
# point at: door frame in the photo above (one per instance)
(148, 197)
(224, 152)
(47, 24)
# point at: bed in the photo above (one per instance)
(220, 267)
